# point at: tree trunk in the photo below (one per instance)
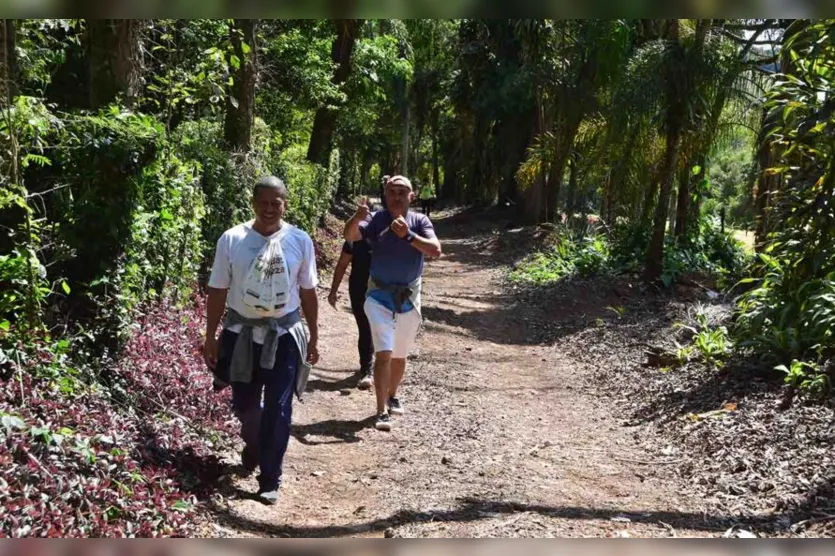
(324, 122)
(364, 169)
(695, 207)
(683, 202)
(572, 187)
(553, 186)
(436, 170)
(557, 168)
(450, 185)
(655, 254)
(534, 196)
(685, 188)
(8, 61)
(605, 200)
(479, 183)
(405, 137)
(650, 195)
(5, 42)
(240, 106)
(114, 58)
(767, 184)
(676, 113)
(769, 152)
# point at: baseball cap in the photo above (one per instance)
(401, 181)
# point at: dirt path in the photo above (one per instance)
(500, 438)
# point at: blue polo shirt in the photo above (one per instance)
(395, 261)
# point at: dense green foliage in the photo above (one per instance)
(128, 180)
(594, 251)
(128, 146)
(789, 314)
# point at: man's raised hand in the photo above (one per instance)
(400, 227)
(362, 210)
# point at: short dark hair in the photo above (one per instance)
(270, 182)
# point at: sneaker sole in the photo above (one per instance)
(385, 427)
(365, 386)
(400, 411)
(268, 501)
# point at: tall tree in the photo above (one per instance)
(114, 58)
(240, 105)
(728, 81)
(673, 126)
(8, 59)
(324, 122)
(770, 151)
(571, 61)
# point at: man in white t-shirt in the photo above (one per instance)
(271, 332)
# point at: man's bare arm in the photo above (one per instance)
(338, 274)
(215, 305)
(429, 247)
(310, 308)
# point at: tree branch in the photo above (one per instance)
(766, 24)
(746, 42)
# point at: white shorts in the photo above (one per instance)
(394, 333)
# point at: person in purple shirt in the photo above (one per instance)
(399, 239)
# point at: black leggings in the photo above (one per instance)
(364, 345)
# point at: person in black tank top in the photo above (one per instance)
(357, 254)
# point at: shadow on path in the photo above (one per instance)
(341, 431)
(474, 509)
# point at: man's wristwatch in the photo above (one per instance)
(410, 237)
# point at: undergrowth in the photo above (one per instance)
(124, 449)
(593, 252)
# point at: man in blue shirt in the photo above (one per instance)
(399, 239)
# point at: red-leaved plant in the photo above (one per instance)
(135, 458)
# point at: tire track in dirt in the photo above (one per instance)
(500, 438)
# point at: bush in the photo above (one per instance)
(82, 460)
(592, 256)
(225, 180)
(789, 314)
(585, 257)
(131, 219)
(588, 252)
(310, 187)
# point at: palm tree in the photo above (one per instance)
(679, 61)
(727, 76)
(572, 62)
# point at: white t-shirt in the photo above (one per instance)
(238, 247)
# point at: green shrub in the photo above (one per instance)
(310, 187)
(584, 257)
(592, 256)
(805, 375)
(123, 228)
(225, 180)
(165, 247)
(587, 252)
(789, 314)
(711, 341)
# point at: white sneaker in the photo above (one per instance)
(383, 422)
(269, 497)
(395, 407)
(367, 381)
